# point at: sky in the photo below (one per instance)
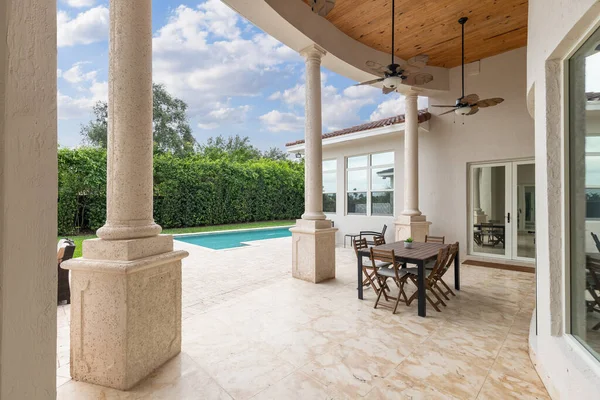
(235, 78)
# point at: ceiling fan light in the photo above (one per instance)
(392, 82)
(463, 110)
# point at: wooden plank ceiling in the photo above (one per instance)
(431, 27)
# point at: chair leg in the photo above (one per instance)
(432, 303)
(378, 298)
(440, 301)
(447, 287)
(436, 286)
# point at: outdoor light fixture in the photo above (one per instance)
(463, 110)
(392, 82)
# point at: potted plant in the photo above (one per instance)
(408, 243)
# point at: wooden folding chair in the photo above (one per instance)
(396, 273)
(452, 254)
(440, 262)
(369, 267)
(435, 239)
(378, 240)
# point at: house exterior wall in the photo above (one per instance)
(556, 28)
(447, 148)
(28, 192)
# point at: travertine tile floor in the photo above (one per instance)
(252, 331)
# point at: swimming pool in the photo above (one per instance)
(230, 240)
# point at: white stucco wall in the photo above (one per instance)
(28, 192)
(555, 29)
(504, 132)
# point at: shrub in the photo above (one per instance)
(188, 191)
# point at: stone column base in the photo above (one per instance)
(480, 217)
(313, 250)
(125, 309)
(416, 227)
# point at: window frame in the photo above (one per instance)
(369, 187)
(334, 173)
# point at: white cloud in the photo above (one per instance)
(87, 27)
(277, 121)
(80, 3)
(223, 113)
(73, 107)
(394, 106)
(75, 74)
(339, 108)
(201, 57)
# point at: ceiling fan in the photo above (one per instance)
(322, 7)
(470, 104)
(394, 74)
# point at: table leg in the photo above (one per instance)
(421, 282)
(457, 271)
(360, 285)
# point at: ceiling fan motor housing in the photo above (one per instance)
(392, 82)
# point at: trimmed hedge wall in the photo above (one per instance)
(190, 191)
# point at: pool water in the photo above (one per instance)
(230, 240)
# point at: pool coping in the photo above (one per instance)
(232, 230)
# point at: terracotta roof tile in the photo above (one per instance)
(424, 115)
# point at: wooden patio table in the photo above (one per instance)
(419, 254)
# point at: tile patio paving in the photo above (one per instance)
(260, 334)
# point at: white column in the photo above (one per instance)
(129, 197)
(313, 238)
(411, 156)
(411, 223)
(126, 290)
(28, 192)
(313, 160)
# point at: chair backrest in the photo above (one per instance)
(383, 230)
(452, 252)
(359, 244)
(66, 249)
(440, 263)
(595, 237)
(435, 239)
(379, 240)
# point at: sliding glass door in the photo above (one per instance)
(502, 210)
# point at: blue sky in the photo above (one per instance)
(235, 78)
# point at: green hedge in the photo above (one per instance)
(190, 191)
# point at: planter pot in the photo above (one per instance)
(408, 245)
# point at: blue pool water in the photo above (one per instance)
(229, 240)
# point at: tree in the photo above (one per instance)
(171, 130)
(275, 153)
(234, 148)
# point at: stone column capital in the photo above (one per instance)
(313, 53)
(411, 95)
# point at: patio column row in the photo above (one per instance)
(313, 237)
(126, 289)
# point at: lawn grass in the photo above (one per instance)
(263, 224)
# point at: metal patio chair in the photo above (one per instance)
(372, 234)
(66, 249)
(396, 273)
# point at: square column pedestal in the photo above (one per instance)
(313, 250)
(125, 309)
(416, 227)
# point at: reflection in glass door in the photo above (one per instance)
(502, 213)
(489, 199)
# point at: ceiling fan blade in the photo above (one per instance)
(454, 106)
(376, 68)
(470, 99)
(418, 79)
(489, 102)
(387, 90)
(418, 61)
(369, 82)
(448, 112)
(474, 110)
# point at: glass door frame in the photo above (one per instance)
(515, 209)
(508, 206)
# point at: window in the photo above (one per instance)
(584, 193)
(370, 184)
(329, 185)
